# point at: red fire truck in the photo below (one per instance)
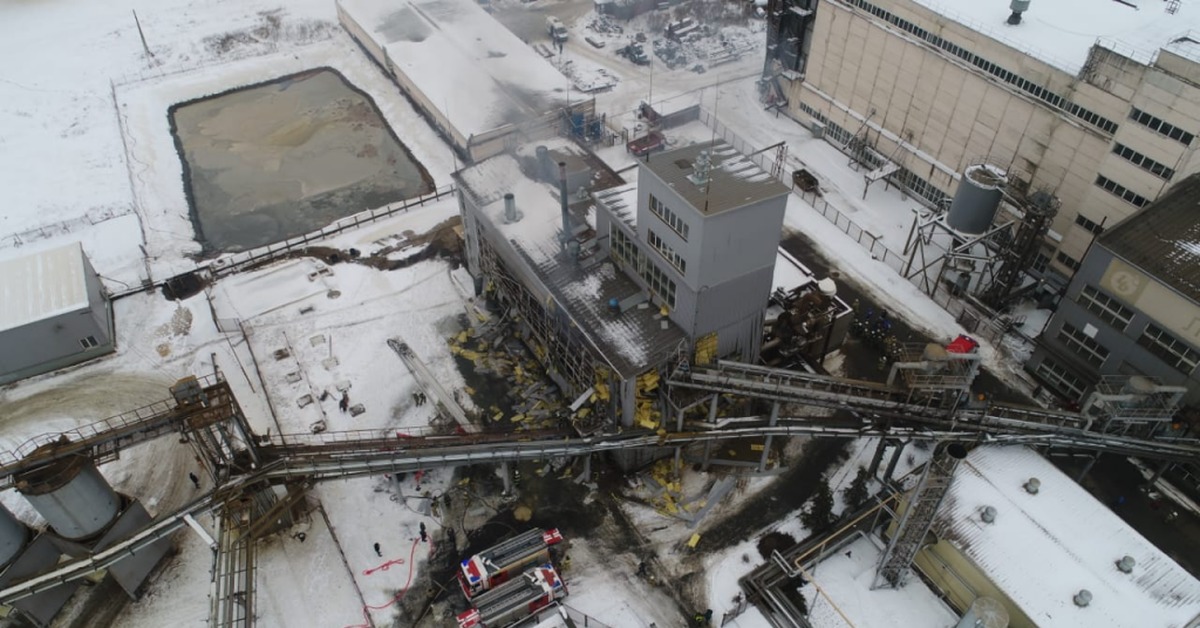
(505, 560)
(515, 600)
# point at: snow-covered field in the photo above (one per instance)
(88, 156)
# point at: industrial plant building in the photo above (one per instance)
(613, 281)
(915, 92)
(54, 312)
(1134, 306)
(1015, 529)
(472, 78)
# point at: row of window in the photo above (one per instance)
(626, 252)
(1067, 260)
(1025, 85)
(666, 251)
(914, 184)
(1121, 192)
(1089, 224)
(1105, 308)
(1160, 126)
(1060, 378)
(670, 218)
(1082, 344)
(1176, 353)
(1143, 162)
(659, 283)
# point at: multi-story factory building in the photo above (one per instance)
(1095, 102)
(613, 281)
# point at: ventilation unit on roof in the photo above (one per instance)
(1126, 564)
(511, 213)
(988, 514)
(1033, 486)
(1018, 7)
(1083, 598)
(701, 168)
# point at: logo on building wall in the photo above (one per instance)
(1123, 282)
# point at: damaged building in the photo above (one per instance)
(610, 281)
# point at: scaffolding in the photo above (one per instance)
(909, 534)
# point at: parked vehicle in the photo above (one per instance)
(515, 600)
(507, 559)
(557, 31)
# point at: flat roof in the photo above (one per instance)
(630, 341)
(734, 180)
(1043, 549)
(1062, 32)
(845, 578)
(1164, 238)
(469, 66)
(37, 286)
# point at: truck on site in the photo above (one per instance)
(515, 600)
(557, 31)
(506, 559)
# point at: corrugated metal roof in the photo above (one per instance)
(734, 180)
(1164, 238)
(1042, 549)
(40, 285)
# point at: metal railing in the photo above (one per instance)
(238, 261)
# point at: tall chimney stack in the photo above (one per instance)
(562, 192)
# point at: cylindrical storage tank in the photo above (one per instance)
(984, 613)
(13, 536)
(72, 496)
(977, 199)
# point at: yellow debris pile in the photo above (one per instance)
(646, 411)
(537, 401)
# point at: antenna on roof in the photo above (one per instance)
(712, 141)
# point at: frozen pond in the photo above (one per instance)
(273, 161)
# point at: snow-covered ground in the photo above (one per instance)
(89, 156)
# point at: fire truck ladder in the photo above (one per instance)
(922, 507)
(519, 546)
(505, 602)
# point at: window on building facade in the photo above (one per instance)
(88, 342)
(1143, 162)
(1083, 345)
(659, 283)
(1041, 262)
(1176, 353)
(1160, 126)
(1067, 260)
(1121, 192)
(1105, 307)
(622, 246)
(1060, 379)
(666, 251)
(1007, 76)
(1089, 224)
(669, 218)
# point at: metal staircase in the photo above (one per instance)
(919, 513)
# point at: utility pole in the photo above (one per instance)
(142, 35)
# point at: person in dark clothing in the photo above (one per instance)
(344, 404)
(194, 478)
(424, 534)
(378, 552)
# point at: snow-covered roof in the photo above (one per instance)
(1062, 32)
(846, 595)
(733, 180)
(37, 286)
(472, 68)
(631, 341)
(1164, 238)
(1044, 548)
(621, 201)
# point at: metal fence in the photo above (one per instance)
(240, 261)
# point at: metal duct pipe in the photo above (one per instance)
(562, 192)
